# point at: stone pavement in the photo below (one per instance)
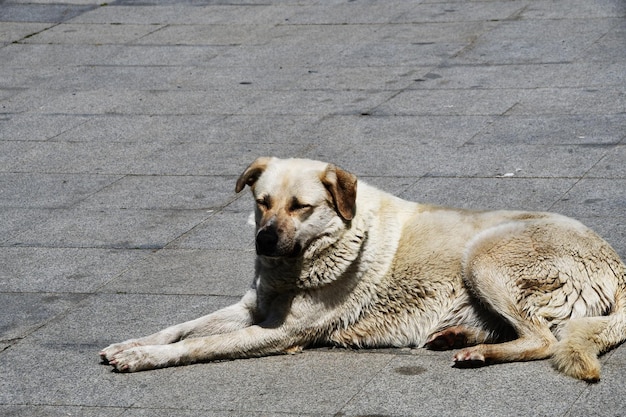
(124, 125)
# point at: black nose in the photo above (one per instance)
(266, 241)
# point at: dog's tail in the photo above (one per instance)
(583, 339)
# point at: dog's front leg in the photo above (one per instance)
(234, 317)
(249, 342)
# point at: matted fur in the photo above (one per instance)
(341, 263)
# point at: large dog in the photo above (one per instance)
(349, 265)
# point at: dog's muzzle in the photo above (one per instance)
(267, 241)
(271, 242)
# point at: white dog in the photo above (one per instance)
(350, 265)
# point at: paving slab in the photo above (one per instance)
(581, 9)
(56, 12)
(139, 102)
(593, 197)
(284, 385)
(173, 13)
(490, 193)
(344, 13)
(358, 78)
(76, 158)
(123, 128)
(205, 35)
(609, 45)
(531, 41)
(275, 57)
(421, 102)
(315, 102)
(165, 192)
(477, 392)
(55, 411)
(22, 128)
(369, 130)
(225, 272)
(213, 158)
(611, 166)
(58, 383)
(14, 31)
(15, 220)
(228, 229)
(591, 131)
(415, 159)
(73, 33)
(109, 128)
(62, 270)
(570, 101)
(478, 160)
(445, 11)
(111, 229)
(43, 56)
(276, 129)
(601, 400)
(529, 76)
(159, 55)
(35, 190)
(24, 313)
(406, 54)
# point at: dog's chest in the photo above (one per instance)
(403, 304)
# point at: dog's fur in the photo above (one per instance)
(347, 265)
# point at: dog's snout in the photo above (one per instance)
(267, 241)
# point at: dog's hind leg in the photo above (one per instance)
(534, 337)
(536, 344)
(543, 276)
(492, 270)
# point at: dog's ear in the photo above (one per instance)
(342, 187)
(252, 173)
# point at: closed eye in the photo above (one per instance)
(297, 205)
(264, 202)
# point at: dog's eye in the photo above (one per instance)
(299, 206)
(263, 202)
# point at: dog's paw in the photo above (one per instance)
(142, 358)
(139, 358)
(469, 358)
(110, 351)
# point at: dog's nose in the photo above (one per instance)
(266, 241)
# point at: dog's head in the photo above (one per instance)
(297, 201)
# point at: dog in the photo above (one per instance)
(342, 263)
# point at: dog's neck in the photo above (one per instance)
(329, 262)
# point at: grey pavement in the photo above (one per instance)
(124, 125)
